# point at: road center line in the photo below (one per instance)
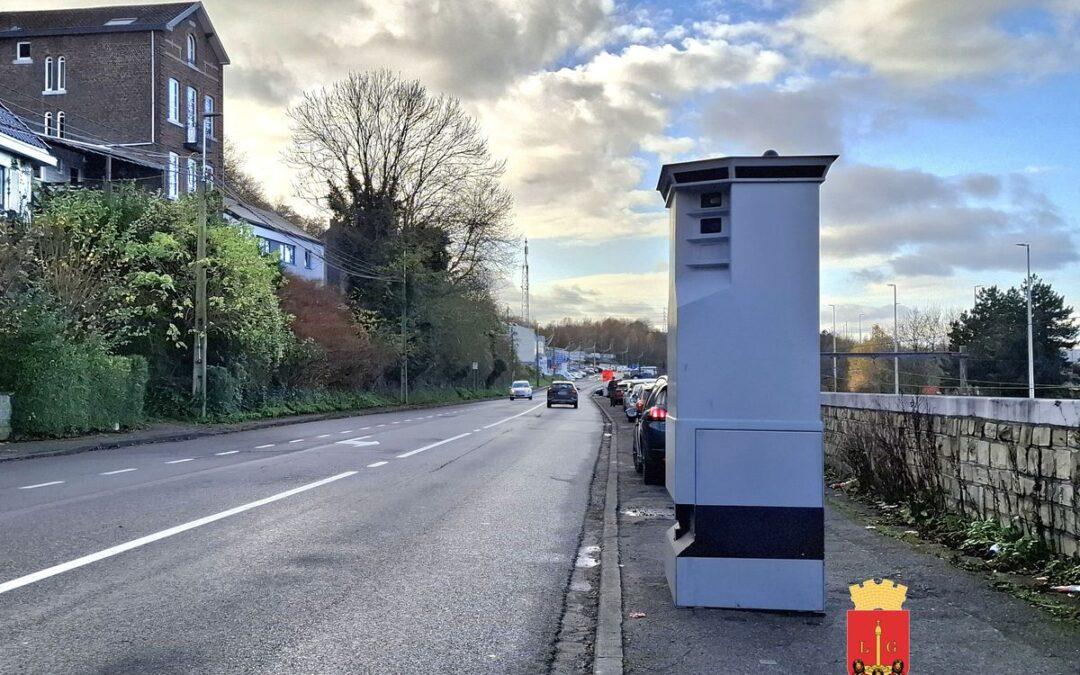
(150, 538)
(113, 473)
(433, 445)
(323, 436)
(181, 461)
(261, 447)
(372, 466)
(297, 440)
(229, 452)
(31, 487)
(495, 424)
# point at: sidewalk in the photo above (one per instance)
(958, 623)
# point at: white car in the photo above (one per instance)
(521, 389)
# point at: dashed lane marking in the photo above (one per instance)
(228, 452)
(181, 461)
(41, 485)
(372, 466)
(113, 473)
(433, 445)
(262, 447)
(163, 534)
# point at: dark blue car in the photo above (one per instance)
(649, 441)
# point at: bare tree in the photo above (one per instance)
(375, 139)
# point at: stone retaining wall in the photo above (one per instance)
(1011, 459)
(5, 417)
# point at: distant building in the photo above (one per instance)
(301, 254)
(528, 346)
(22, 154)
(134, 80)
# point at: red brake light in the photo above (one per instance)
(656, 414)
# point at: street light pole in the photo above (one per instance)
(860, 327)
(896, 344)
(198, 375)
(834, 373)
(1030, 327)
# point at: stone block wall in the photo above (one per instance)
(5, 417)
(1011, 459)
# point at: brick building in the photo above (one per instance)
(123, 88)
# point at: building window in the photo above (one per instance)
(61, 74)
(208, 122)
(191, 50)
(49, 81)
(3, 189)
(208, 176)
(288, 254)
(48, 124)
(22, 52)
(172, 175)
(61, 125)
(192, 115)
(174, 101)
(308, 262)
(192, 175)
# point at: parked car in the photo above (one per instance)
(618, 394)
(635, 400)
(649, 441)
(563, 393)
(521, 389)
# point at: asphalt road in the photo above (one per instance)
(410, 542)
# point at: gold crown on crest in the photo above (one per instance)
(872, 594)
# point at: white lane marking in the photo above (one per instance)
(409, 420)
(181, 461)
(260, 447)
(228, 452)
(358, 442)
(433, 445)
(495, 424)
(323, 436)
(297, 440)
(476, 431)
(378, 425)
(150, 538)
(372, 466)
(398, 422)
(113, 473)
(31, 487)
(364, 428)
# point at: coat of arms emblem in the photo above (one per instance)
(878, 639)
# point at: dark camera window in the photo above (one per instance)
(712, 225)
(712, 200)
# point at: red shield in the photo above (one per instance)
(878, 642)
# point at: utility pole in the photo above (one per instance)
(834, 372)
(860, 327)
(198, 374)
(527, 311)
(896, 344)
(404, 323)
(1030, 327)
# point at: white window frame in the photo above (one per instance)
(192, 107)
(289, 259)
(172, 175)
(174, 101)
(208, 176)
(19, 58)
(309, 260)
(61, 124)
(3, 188)
(208, 122)
(192, 50)
(48, 128)
(61, 74)
(49, 81)
(192, 175)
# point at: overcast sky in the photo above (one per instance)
(957, 124)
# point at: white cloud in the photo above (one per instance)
(930, 41)
(602, 295)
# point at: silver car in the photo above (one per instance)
(521, 389)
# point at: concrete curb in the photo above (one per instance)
(608, 659)
(137, 438)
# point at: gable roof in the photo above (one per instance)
(88, 20)
(17, 137)
(268, 219)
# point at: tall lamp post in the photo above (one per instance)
(860, 327)
(1030, 327)
(199, 353)
(834, 373)
(896, 344)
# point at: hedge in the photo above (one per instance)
(77, 389)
